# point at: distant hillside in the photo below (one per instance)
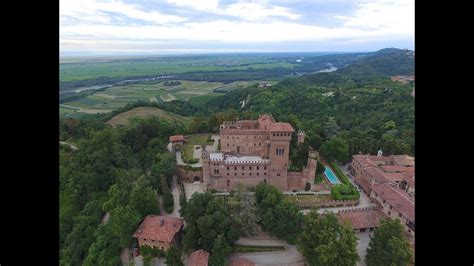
(140, 112)
(385, 62)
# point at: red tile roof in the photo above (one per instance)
(280, 126)
(362, 219)
(198, 258)
(410, 180)
(403, 160)
(241, 262)
(176, 138)
(363, 183)
(394, 177)
(160, 228)
(377, 174)
(396, 198)
(397, 168)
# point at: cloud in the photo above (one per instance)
(92, 11)
(203, 5)
(256, 11)
(397, 16)
(89, 24)
(246, 10)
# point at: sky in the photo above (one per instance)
(221, 26)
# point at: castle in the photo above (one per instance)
(254, 151)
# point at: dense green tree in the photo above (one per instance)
(278, 215)
(323, 241)
(168, 200)
(173, 257)
(331, 128)
(388, 245)
(243, 210)
(335, 149)
(117, 196)
(206, 218)
(220, 251)
(143, 199)
(283, 221)
(105, 250)
(123, 222)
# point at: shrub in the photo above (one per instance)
(344, 192)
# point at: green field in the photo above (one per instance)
(251, 249)
(197, 92)
(85, 69)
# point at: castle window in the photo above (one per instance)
(228, 174)
(255, 144)
(278, 174)
(227, 167)
(235, 167)
(250, 173)
(250, 167)
(260, 144)
(242, 168)
(227, 144)
(235, 173)
(258, 168)
(257, 174)
(265, 173)
(264, 168)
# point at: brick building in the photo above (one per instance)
(254, 151)
(198, 258)
(398, 170)
(159, 231)
(396, 204)
(362, 220)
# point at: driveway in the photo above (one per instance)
(291, 256)
(191, 188)
(362, 244)
(179, 160)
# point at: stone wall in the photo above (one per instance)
(228, 184)
(189, 175)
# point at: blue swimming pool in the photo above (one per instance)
(331, 176)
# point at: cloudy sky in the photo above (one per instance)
(203, 26)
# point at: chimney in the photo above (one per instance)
(162, 221)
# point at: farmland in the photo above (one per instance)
(109, 99)
(88, 69)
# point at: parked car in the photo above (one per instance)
(136, 252)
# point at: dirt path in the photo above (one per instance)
(69, 144)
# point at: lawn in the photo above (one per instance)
(251, 249)
(306, 198)
(198, 139)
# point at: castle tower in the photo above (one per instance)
(206, 168)
(300, 136)
(280, 138)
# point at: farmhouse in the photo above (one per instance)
(254, 151)
(159, 231)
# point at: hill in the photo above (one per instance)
(385, 62)
(141, 112)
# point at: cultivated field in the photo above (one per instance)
(197, 92)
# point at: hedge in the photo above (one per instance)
(336, 193)
(340, 174)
